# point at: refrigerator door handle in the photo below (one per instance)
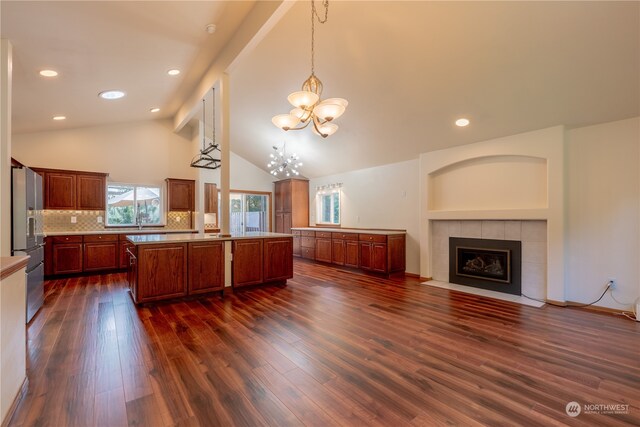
(31, 226)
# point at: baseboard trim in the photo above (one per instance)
(573, 304)
(16, 400)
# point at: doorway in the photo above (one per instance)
(249, 212)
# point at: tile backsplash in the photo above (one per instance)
(60, 221)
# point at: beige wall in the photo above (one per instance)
(5, 147)
(380, 197)
(144, 152)
(603, 212)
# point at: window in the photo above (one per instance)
(328, 206)
(248, 212)
(134, 205)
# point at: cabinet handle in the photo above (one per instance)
(370, 238)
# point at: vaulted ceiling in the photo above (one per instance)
(408, 69)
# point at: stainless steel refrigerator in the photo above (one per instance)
(28, 238)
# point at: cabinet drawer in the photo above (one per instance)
(376, 238)
(296, 232)
(344, 236)
(309, 253)
(323, 234)
(66, 239)
(308, 242)
(100, 238)
(307, 233)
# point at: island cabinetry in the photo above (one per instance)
(206, 267)
(132, 271)
(247, 262)
(100, 252)
(278, 262)
(162, 271)
(66, 254)
(123, 245)
(323, 246)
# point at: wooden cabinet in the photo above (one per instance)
(337, 251)
(323, 249)
(297, 248)
(206, 267)
(247, 262)
(162, 271)
(181, 195)
(73, 190)
(100, 252)
(210, 198)
(291, 204)
(132, 271)
(351, 254)
(67, 255)
(123, 245)
(373, 256)
(308, 244)
(278, 259)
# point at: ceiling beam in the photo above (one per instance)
(260, 20)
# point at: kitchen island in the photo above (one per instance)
(167, 266)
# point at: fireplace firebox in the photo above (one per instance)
(485, 263)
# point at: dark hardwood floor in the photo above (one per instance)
(330, 348)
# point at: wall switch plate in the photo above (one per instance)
(74, 219)
(99, 219)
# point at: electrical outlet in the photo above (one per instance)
(74, 219)
(612, 283)
(99, 219)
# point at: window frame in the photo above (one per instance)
(162, 213)
(320, 204)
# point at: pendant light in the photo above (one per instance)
(204, 158)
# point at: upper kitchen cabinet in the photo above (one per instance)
(210, 198)
(181, 194)
(73, 190)
(291, 204)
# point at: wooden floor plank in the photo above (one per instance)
(332, 347)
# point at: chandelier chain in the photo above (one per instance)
(314, 15)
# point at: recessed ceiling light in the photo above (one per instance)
(173, 72)
(462, 122)
(111, 94)
(58, 118)
(48, 73)
(155, 110)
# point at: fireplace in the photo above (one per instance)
(484, 263)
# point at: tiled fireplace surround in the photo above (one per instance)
(532, 234)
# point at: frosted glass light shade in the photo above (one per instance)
(303, 115)
(285, 121)
(340, 101)
(326, 129)
(327, 111)
(303, 99)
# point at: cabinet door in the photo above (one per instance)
(286, 222)
(286, 196)
(279, 202)
(90, 192)
(379, 257)
(351, 254)
(280, 222)
(297, 248)
(337, 252)
(162, 271)
(247, 262)
(206, 267)
(365, 255)
(323, 250)
(132, 272)
(60, 190)
(278, 259)
(180, 194)
(100, 256)
(67, 258)
(48, 256)
(210, 198)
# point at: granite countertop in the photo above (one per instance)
(11, 264)
(351, 230)
(198, 237)
(116, 231)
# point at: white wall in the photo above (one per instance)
(380, 197)
(5, 146)
(603, 211)
(143, 152)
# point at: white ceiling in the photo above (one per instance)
(408, 69)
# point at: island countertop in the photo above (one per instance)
(145, 239)
(117, 231)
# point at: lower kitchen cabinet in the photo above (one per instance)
(206, 267)
(67, 258)
(337, 251)
(101, 252)
(351, 254)
(278, 259)
(123, 245)
(373, 256)
(323, 249)
(162, 271)
(247, 262)
(297, 243)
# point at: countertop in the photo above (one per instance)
(352, 230)
(117, 231)
(11, 264)
(198, 237)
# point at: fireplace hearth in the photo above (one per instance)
(485, 263)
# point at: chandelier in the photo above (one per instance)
(308, 106)
(280, 163)
(204, 159)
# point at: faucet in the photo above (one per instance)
(139, 220)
